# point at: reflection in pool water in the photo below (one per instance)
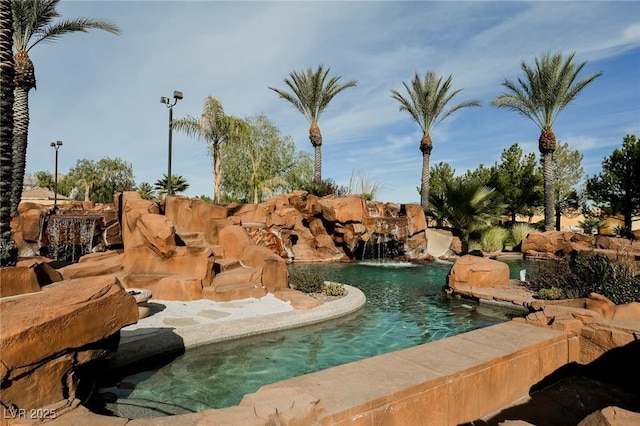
(404, 308)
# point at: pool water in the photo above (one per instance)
(404, 308)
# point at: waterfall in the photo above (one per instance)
(278, 235)
(70, 236)
(387, 240)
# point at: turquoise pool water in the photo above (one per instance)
(404, 308)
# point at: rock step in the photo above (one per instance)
(192, 238)
(226, 293)
(225, 265)
(243, 274)
(165, 287)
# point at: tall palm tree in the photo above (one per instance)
(546, 90)
(8, 251)
(213, 127)
(426, 102)
(33, 24)
(311, 95)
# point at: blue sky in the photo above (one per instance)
(100, 94)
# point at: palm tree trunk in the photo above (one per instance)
(547, 145)
(8, 249)
(217, 173)
(425, 146)
(316, 140)
(20, 135)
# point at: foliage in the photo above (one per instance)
(546, 89)
(306, 281)
(310, 94)
(261, 162)
(428, 102)
(493, 238)
(593, 220)
(583, 273)
(325, 187)
(34, 22)
(517, 180)
(466, 206)
(205, 198)
(568, 172)
(178, 184)
(519, 232)
(365, 185)
(45, 179)
(215, 128)
(333, 289)
(552, 293)
(100, 180)
(617, 188)
(146, 191)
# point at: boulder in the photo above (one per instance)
(47, 335)
(473, 271)
(552, 242)
(18, 280)
(347, 209)
(416, 220)
(234, 239)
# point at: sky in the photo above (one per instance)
(100, 93)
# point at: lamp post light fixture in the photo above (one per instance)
(176, 96)
(56, 145)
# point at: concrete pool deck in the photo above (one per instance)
(175, 326)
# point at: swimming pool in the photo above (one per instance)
(404, 308)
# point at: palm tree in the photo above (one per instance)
(178, 184)
(426, 103)
(311, 96)
(8, 250)
(465, 205)
(146, 190)
(33, 24)
(215, 128)
(546, 90)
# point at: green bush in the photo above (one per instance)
(493, 239)
(474, 245)
(325, 187)
(553, 293)
(582, 273)
(519, 232)
(334, 289)
(306, 281)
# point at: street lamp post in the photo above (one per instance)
(176, 95)
(56, 145)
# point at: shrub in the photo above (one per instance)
(306, 281)
(493, 238)
(519, 232)
(474, 245)
(334, 289)
(553, 293)
(583, 273)
(325, 187)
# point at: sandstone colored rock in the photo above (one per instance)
(18, 280)
(344, 210)
(611, 416)
(473, 271)
(298, 299)
(46, 335)
(235, 240)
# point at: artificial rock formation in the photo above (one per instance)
(552, 244)
(46, 336)
(473, 271)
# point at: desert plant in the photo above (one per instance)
(365, 185)
(552, 293)
(493, 238)
(325, 187)
(474, 245)
(582, 273)
(591, 224)
(519, 232)
(333, 289)
(306, 281)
